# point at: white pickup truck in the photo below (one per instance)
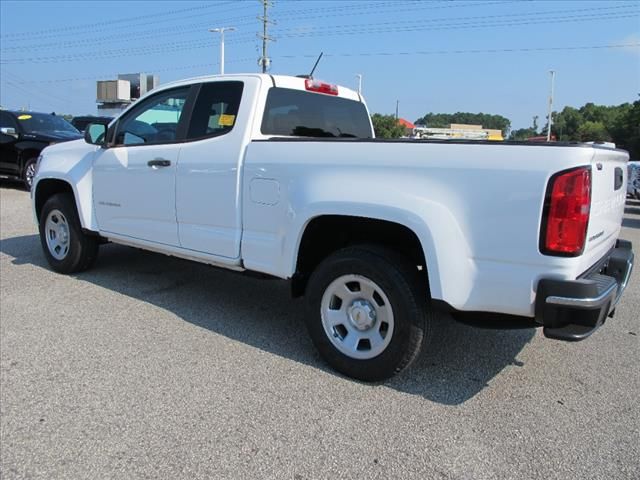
(282, 175)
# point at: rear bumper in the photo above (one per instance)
(574, 309)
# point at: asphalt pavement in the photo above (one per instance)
(148, 366)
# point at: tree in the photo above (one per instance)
(626, 133)
(525, 133)
(443, 120)
(386, 126)
(522, 134)
(593, 132)
(566, 124)
(617, 123)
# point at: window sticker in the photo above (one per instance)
(24, 117)
(226, 120)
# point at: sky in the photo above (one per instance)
(428, 56)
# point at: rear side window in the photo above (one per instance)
(306, 114)
(215, 109)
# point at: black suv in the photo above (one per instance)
(23, 135)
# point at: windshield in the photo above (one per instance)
(42, 122)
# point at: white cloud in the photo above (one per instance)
(633, 41)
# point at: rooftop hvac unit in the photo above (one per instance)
(140, 83)
(152, 82)
(113, 91)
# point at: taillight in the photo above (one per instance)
(320, 87)
(566, 213)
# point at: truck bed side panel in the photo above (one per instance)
(475, 209)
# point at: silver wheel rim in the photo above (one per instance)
(30, 173)
(56, 231)
(357, 317)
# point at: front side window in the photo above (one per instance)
(306, 114)
(215, 109)
(155, 121)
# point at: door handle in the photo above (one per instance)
(159, 162)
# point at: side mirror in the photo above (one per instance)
(9, 131)
(95, 134)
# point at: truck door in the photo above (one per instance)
(209, 168)
(134, 180)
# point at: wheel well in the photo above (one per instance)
(48, 187)
(25, 156)
(326, 234)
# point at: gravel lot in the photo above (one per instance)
(153, 367)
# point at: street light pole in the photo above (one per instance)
(221, 30)
(553, 76)
(359, 77)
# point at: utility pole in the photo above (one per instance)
(359, 77)
(549, 121)
(221, 30)
(397, 104)
(264, 61)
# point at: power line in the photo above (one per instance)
(364, 9)
(18, 83)
(193, 28)
(181, 46)
(207, 66)
(69, 30)
(160, 48)
(461, 25)
(394, 7)
(458, 26)
(473, 51)
(349, 28)
(113, 74)
(476, 17)
(92, 26)
(190, 29)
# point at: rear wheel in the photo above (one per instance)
(368, 315)
(67, 248)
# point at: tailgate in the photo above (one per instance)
(608, 195)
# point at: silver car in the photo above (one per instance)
(633, 182)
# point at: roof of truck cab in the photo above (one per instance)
(283, 81)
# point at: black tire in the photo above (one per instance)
(81, 249)
(400, 281)
(27, 173)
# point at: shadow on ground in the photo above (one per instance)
(12, 184)
(632, 210)
(459, 363)
(632, 207)
(631, 222)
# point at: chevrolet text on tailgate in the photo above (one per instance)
(281, 175)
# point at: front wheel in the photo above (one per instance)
(67, 248)
(28, 173)
(368, 315)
